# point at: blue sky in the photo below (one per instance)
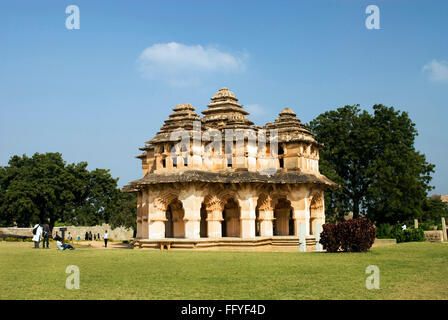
(98, 93)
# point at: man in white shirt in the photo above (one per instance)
(106, 237)
(37, 235)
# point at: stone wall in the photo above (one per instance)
(115, 234)
(434, 236)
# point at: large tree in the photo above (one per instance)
(44, 188)
(123, 213)
(433, 210)
(373, 159)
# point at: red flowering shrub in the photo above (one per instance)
(329, 237)
(355, 235)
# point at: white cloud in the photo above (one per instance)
(255, 110)
(183, 65)
(438, 70)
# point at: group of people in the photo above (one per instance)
(43, 233)
(88, 236)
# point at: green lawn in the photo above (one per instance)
(407, 271)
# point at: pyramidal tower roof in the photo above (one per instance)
(182, 118)
(290, 128)
(225, 112)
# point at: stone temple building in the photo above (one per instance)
(255, 188)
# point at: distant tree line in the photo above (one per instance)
(373, 159)
(45, 188)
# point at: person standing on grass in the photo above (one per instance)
(106, 237)
(37, 235)
(46, 235)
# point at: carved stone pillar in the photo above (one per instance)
(214, 221)
(317, 211)
(266, 223)
(157, 218)
(266, 217)
(156, 226)
(191, 199)
(214, 207)
(247, 200)
(301, 213)
(139, 216)
(144, 210)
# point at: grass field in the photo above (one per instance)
(407, 271)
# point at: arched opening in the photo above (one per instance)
(174, 154)
(231, 219)
(174, 224)
(281, 153)
(203, 225)
(283, 223)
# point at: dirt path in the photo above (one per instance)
(100, 244)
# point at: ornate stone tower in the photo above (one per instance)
(219, 181)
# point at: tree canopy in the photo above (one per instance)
(373, 159)
(44, 188)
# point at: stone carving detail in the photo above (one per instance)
(266, 203)
(160, 204)
(213, 203)
(316, 201)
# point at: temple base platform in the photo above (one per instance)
(275, 244)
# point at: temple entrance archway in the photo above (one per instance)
(174, 224)
(283, 223)
(231, 219)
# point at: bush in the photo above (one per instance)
(385, 231)
(410, 235)
(329, 237)
(355, 235)
(429, 226)
(10, 239)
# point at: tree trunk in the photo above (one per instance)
(355, 208)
